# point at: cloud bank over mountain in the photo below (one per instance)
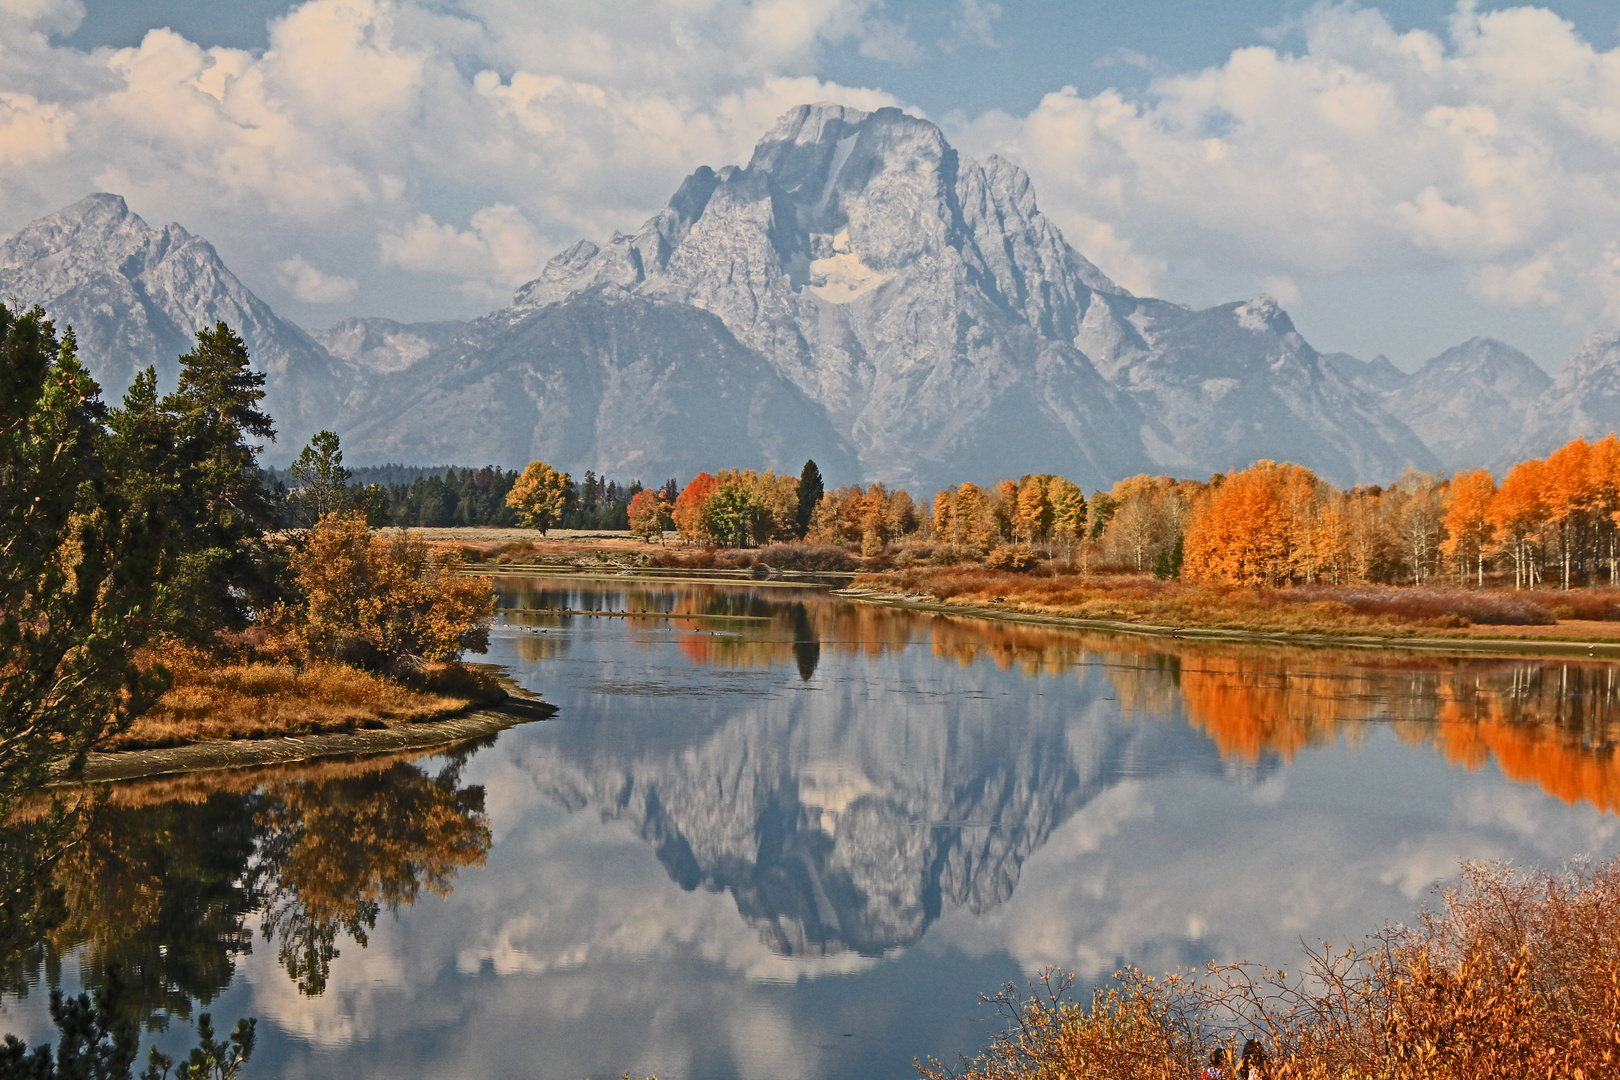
(437, 155)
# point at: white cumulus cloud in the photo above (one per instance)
(1494, 149)
(457, 143)
(312, 285)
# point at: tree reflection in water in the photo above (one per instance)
(1554, 723)
(167, 876)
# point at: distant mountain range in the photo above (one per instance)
(859, 293)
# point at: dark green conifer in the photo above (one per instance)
(810, 491)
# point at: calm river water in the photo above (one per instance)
(783, 835)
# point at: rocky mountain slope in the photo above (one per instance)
(1462, 402)
(135, 295)
(860, 293)
(626, 385)
(949, 332)
(383, 346)
(1584, 400)
(1376, 376)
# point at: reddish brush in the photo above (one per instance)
(1513, 974)
(1596, 604)
(1422, 605)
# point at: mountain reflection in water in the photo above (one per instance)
(834, 835)
(764, 815)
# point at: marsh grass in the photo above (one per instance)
(248, 697)
(1513, 974)
(1141, 598)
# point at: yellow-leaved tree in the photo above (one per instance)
(541, 495)
(374, 601)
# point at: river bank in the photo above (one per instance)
(1588, 638)
(213, 754)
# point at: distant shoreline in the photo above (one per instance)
(1572, 647)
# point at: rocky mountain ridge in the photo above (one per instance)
(949, 331)
(859, 293)
(135, 295)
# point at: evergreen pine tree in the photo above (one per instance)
(810, 490)
(81, 566)
(223, 567)
(321, 482)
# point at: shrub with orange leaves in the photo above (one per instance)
(1513, 973)
(374, 601)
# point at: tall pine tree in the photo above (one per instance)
(194, 453)
(810, 491)
(81, 565)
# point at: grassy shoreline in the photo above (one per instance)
(868, 591)
(211, 755)
(225, 713)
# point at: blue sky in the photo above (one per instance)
(1401, 177)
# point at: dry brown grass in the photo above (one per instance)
(1381, 610)
(1513, 974)
(247, 698)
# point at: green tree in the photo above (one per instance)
(731, 514)
(192, 456)
(321, 482)
(810, 490)
(81, 566)
(541, 495)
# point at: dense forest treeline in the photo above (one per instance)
(1552, 521)
(1548, 521)
(448, 496)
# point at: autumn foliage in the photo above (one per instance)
(1276, 524)
(649, 514)
(1271, 525)
(375, 600)
(1512, 973)
(540, 496)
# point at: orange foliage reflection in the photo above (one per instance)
(1548, 722)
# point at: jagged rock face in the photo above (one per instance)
(135, 295)
(384, 346)
(924, 301)
(1221, 388)
(1584, 400)
(1469, 401)
(1376, 376)
(860, 293)
(630, 386)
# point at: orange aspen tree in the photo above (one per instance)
(1240, 533)
(1517, 515)
(1467, 521)
(974, 523)
(1335, 539)
(649, 514)
(1032, 517)
(1605, 468)
(691, 508)
(1068, 504)
(944, 514)
(1569, 497)
(1004, 508)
